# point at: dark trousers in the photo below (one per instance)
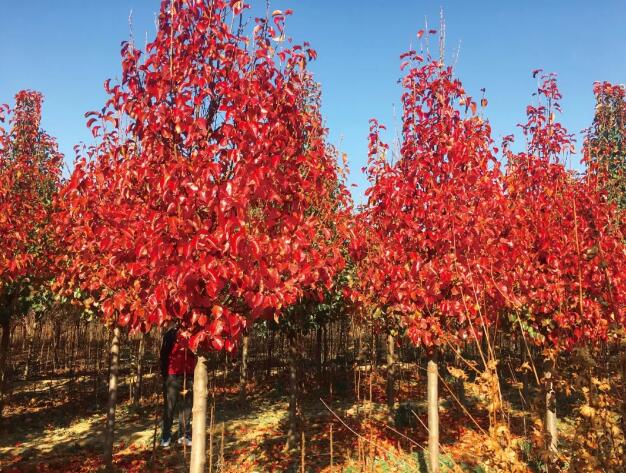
(175, 400)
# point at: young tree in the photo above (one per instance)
(30, 172)
(605, 145)
(568, 246)
(207, 197)
(605, 156)
(434, 215)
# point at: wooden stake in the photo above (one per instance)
(371, 376)
(371, 452)
(211, 438)
(331, 447)
(302, 448)
(433, 415)
(222, 450)
(154, 437)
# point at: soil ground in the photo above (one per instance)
(44, 434)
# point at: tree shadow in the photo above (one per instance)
(267, 452)
(254, 432)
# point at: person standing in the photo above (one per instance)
(177, 366)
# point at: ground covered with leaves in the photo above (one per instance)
(47, 434)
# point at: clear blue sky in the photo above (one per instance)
(67, 48)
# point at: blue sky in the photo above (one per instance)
(67, 48)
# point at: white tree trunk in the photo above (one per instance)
(433, 415)
(199, 410)
(292, 434)
(551, 429)
(243, 374)
(110, 426)
(391, 372)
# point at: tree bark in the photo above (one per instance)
(374, 348)
(139, 383)
(325, 343)
(73, 359)
(433, 414)
(197, 463)
(292, 435)
(113, 372)
(55, 347)
(243, 374)
(344, 330)
(270, 352)
(551, 430)
(4, 355)
(459, 382)
(361, 355)
(391, 372)
(32, 336)
(318, 350)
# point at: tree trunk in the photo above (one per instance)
(110, 427)
(433, 414)
(96, 373)
(374, 348)
(73, 357)
(391, 372)
(526, 373)
(41, 361)
(4, 355)
(243, 374)
(270, 351)
(318, 350)
(55, 347)
(343, 339)
(139, 383)
(197, 463)
(292, 435)
(361, 355)
(459, 382)
(32, 336)
(551, 431)
(325, 343)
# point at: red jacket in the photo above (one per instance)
(176, 358)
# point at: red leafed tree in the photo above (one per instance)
(605, 156)
(432, 211)
(211, 197)
(605, 146)
(433, 215)
(30, 170)
(567, 284)
(570, 254)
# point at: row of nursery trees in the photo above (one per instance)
(212, 197)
